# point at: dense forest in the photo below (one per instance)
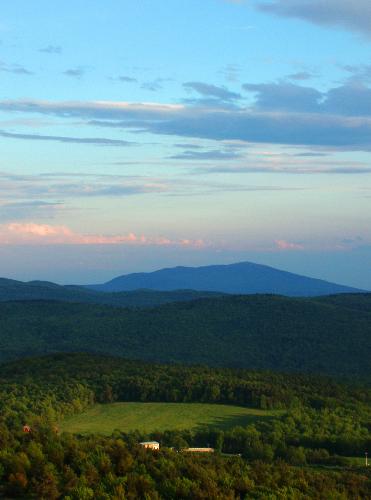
(330, 335)
(303, 453)
(43, 290)
(311, 447)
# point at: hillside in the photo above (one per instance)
(241, 278)
(43, 290)
(58, 378)
(290, 436)
(256, 332)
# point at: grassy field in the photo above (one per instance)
(149, 417)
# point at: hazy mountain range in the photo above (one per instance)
(176, 284)
(241, 278)
(232, 315)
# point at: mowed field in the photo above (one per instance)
(149, 417)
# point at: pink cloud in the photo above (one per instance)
(43, 230)
(31, 233)
(287, 245)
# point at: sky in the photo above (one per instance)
(149, 134)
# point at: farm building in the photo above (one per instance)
(151, 445)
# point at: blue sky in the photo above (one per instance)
(136, 135)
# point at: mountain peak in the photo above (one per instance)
(237, 278)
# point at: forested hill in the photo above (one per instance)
(240, 278)
(322, 335)
(142, 381)
(306, 440)
(44, 290)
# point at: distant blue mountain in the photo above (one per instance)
(241, 278)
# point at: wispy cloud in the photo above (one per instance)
(51, 49)
(288, 245)
(153, 85)
(206, 155)
(300, 76)
(16, 69)
(109, 110)
(78, 72)
(207, 90)
(231, 72)
(96, 141)
(339, 119)
(186, 145)
(59, 186)
(31, 233)
(20, 210)
(126, 79)
(47, 195)
(283, 168)
(311, 154)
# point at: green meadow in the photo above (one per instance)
(149, 417)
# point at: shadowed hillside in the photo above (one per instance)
(258, 332)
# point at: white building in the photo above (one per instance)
(151, 445)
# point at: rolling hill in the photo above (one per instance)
(43, 290)
(257, 332)
(241, 278)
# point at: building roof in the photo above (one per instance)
(199, 449)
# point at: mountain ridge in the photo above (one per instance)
(239, 278)
(13, 290)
